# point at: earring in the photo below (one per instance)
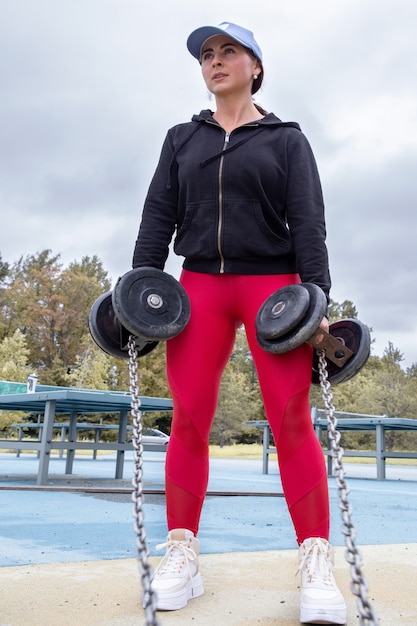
(255, 76)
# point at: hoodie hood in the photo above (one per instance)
(206, 116)
(269, 120)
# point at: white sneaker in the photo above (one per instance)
(177, 578)
(321, 601)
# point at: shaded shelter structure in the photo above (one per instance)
(49, 402)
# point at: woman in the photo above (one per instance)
(242, 192)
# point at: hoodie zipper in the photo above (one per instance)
(220, 179)
(220, 222)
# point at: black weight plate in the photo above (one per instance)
(105, 327)
(109, 334)
(282, 311)
(151, 304)
(355, 335)
(304, 330)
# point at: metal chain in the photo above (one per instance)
(358, 586)
(149, 599)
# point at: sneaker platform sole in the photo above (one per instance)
(179, 599)
(330, 615)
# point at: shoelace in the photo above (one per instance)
(316, 562)
(177, 554)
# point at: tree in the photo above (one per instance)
(233, 407)
(411, 391)
(388, 389)
(92, 268)
(79, 286)
(152, 373)
(92, 367)
(30, 292)
(340, 311)
(51, 306)
(14, 367)
(4, 271)
(353, 396)
(348, 396)
(14, 355)
(44, 311)
(241, 358)
(239, 397)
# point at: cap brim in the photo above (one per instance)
(200, 35)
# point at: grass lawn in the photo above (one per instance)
(254, 451)
(245, 451)
(241, 451)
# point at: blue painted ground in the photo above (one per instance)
(54, 526)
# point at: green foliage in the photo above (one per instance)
(344, 310)
(14, 355)
(152, 375)
(50, 306)
(380, 388)
(44, 310)
(234, 407)
(14, 367)
(239, 397)
(389, 387)
(4, 271)
(91, 369)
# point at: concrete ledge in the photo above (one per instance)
(241, 589)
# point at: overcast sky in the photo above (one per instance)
(90, 87)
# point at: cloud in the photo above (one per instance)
(89, 89)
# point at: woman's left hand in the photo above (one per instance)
(324, 324)
(318, 337)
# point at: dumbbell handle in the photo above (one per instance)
(125, 336)
(335, 350)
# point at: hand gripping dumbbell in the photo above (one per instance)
(291, 316)
(146, 303)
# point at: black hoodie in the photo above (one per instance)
(248, 202)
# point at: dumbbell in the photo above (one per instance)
(146, 303)
(291, 316)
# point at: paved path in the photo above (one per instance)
(69, 557)
(57, 526)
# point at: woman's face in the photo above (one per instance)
(227, 66)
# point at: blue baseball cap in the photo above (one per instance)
(243, 36)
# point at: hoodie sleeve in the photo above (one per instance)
(159, 212)
(305, 214)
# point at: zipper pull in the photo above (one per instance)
(226, 140)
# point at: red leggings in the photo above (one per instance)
(196, 358)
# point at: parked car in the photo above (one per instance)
(154, 437)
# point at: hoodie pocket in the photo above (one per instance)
(197, 235)
(247, 233)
